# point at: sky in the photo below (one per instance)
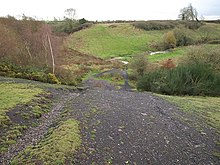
(103, 10)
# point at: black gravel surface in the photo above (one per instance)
(121, 127)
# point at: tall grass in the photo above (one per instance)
(195, 79)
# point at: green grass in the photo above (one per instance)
(175, 53)
(206, 107)
(56, 148)
(113, 40)
(12, 94)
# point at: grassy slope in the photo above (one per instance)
(112, 40)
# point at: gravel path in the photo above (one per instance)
(139, 128)
(122, 127)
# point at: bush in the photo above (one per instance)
(154, 25)
(30, 73)
(70, 26)
(203, 54)
(68, 77)
(169, 40)
(139, 65)
(208, 33)
(195, 79)
(192, 24)
(214, 42)
(183, 37)
(198, 74)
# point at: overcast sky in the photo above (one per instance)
(109, 9)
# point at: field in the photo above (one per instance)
(113, 40)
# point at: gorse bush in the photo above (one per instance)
(30, 73)
(192, 79)
(197, 74)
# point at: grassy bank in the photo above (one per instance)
(113, 40)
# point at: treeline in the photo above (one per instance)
(27, 44)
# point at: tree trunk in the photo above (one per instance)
(51, 52)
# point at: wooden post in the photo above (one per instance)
(51, 52)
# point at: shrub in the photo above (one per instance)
(30, 73)
(154, 25)
(51, 78)
(195, 79)
(183, 37)
(139, 64)
(70, 26)
(208, 33)
(169, 40)
(214, 42)
(203, 54)
(68, 77)
(83, 21)
(192, 24)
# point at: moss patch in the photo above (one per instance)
(21, 106)
(57, 148)
(12, 94)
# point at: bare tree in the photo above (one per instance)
(70, 13)
(189, 13)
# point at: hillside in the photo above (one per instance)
(113, 40)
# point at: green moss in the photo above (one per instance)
(12, 94)
(57, 147)
(217, 154)
(9, 142)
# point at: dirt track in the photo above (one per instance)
(123, 127)
(138, 128)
